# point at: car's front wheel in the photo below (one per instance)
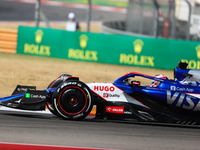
(72, 100)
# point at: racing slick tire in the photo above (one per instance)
(54, 84)
(48, 103)
(72, 99)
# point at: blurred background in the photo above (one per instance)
(147, 24)
(176, 19)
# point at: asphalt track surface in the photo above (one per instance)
(46, 129)
(17, 11)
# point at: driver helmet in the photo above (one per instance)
(155, 83)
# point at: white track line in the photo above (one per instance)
(19, 110)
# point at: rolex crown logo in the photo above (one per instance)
(38, 36)
(138, 45)
(198, 51)
(83, 40)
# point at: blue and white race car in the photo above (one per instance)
(164, 100)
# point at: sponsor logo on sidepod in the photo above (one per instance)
(106, 95)
(183, 101)
(174, 88)
(104, 88)
(28, 95)
(115, 109)
(24, 89)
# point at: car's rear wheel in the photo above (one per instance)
(72, 100)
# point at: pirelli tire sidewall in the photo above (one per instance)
(72, 100)
(49, 103)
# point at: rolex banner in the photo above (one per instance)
(103, 48)
(41, 42)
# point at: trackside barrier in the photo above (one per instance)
(8, 40)
(103, 48)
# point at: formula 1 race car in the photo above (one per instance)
(164, 100)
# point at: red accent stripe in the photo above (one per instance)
(137, 73)
(91, 115)
(48, 106)
(117, 87)
(191, 93)
(50, 87)
(54, 82)
(72, 77)
(12, 146)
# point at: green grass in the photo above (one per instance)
(98, 2)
